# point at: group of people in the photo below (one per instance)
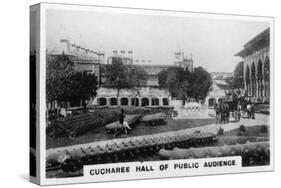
(222, 112)
(234, 109)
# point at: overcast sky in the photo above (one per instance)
(212, 42)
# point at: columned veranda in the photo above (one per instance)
(257, 78)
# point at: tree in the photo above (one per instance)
(201, 82)
(65, 84)
(183, 84)
(59, 71)
(117, 75)
(236, 81)
(137, 79)
(83, 87)
(171, 80)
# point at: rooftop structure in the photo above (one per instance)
(255, 44)
(84, 59)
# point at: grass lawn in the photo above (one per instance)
(257, 131)
(99, 134)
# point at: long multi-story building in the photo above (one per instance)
(149, 95)
(94, 62)
(84, 59)
(256, 63)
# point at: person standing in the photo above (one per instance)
(123, 122)
(249, 106)
(218, 113)
(239, 110)
(253, 110)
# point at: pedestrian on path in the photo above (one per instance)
(253, 110)
(248, 108)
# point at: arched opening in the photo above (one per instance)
(124, 101)
(247, 80)
(220, 100)
(165, 101)
(102, 101)
(135, 102)
(253, 79)
(211, 102)
(259, 77)
(267, 76)
(113, 101)
(155, 102)
(144, 101)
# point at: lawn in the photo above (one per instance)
(99, 134)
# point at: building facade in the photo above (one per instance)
(146, 96)
(152, 72)
(217, 94)
(83, 58)
(149, 94)
(93, 62)
(256, 63)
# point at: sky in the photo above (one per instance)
(212, 42)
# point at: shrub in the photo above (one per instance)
(82, 123)
(264, 129)
(242, 130)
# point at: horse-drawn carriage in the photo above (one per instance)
(234, 112)
(228, 110)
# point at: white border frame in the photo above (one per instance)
(42, 140)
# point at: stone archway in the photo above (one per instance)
(144, 101)
(124, 101)
(102, 101)
(260, 79)
(267, 77)
(113, 101)
(253, 79)
(165, 101)
(211, 102)
(155, 102)
(247, 80)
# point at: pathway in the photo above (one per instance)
(261, 119)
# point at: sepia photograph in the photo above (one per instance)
(134, 85)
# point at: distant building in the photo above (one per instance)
(94, 62)
(216, 95)
(152, 73)
(146, 96)
(150, 94)
(221, 75)
(126, 56)
(183, 61)
(83, 58)
(256, 58)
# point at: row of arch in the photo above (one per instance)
(126, 101)
(257, 78)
